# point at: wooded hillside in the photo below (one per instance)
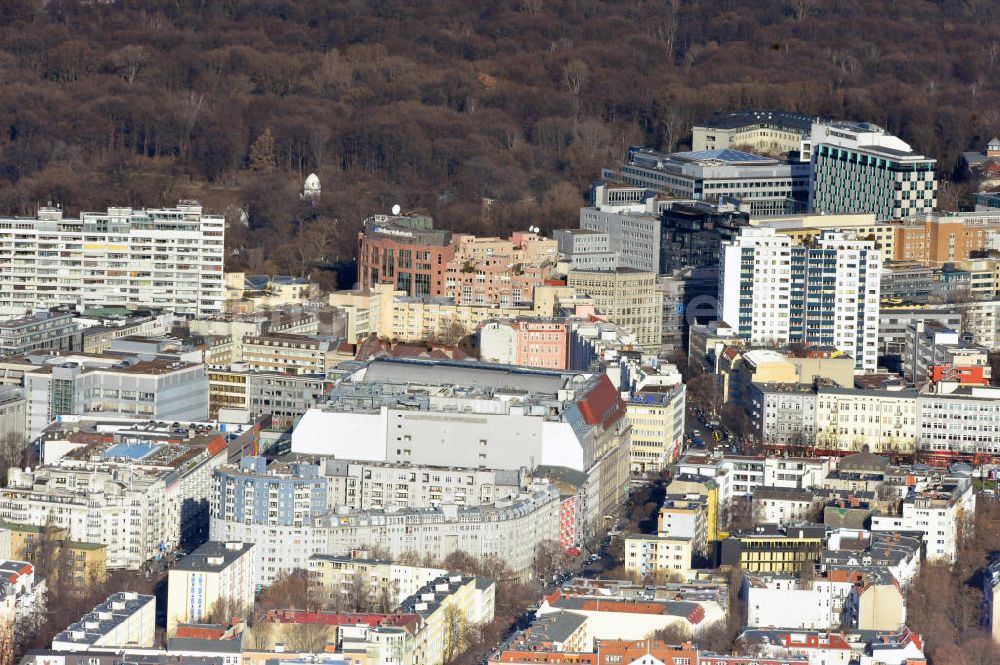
(438, 105)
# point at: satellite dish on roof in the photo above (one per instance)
(396, 209)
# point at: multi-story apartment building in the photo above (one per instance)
(948, 422)
(169, 258)
(584, 249)
(23, 591)
(283, 496)
(685, 516)
(288, 354)
(658, 555)
(376, 579)
(627, 297)
(755, 286)
(125, 619)
(959, 421)
(497, 271)
(936, 238)
(858, 167)
(48, 331)
(417, 319)
(284, 396)
(141, 496)
(981, 321)
(936, 511)
(529, 342)
(739, 475)
(657, 418)
(784, 599)
(836, 419)
(775, 292)
(375, 486)
(766, 132)
(213, 572)
(838, 302)
(157, 389)
(288, 321)
(784, 414)
(760, 185)
(991, 598)
(449, 608)
(249, 293)
(772, 549)
(404, 251)
(85, 564)
(909, 282)
(807, 228)
(737, 370)
(633, 229)
(406, 411)
(935, 353)
(284, 511)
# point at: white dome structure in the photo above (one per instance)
(311, 188)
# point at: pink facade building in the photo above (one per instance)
(542, 343)
(495, 271)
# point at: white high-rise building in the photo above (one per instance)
(773, 291)
(169, 258)
(755, 284)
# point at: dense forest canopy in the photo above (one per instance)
(440, 105)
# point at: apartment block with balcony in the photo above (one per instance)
(377, 580)
(168, 258)
(773, 291)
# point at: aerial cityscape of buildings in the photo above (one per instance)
(752, 395)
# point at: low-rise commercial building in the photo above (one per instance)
(155, 389)
(42, 331)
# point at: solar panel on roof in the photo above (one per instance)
(723, 155)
